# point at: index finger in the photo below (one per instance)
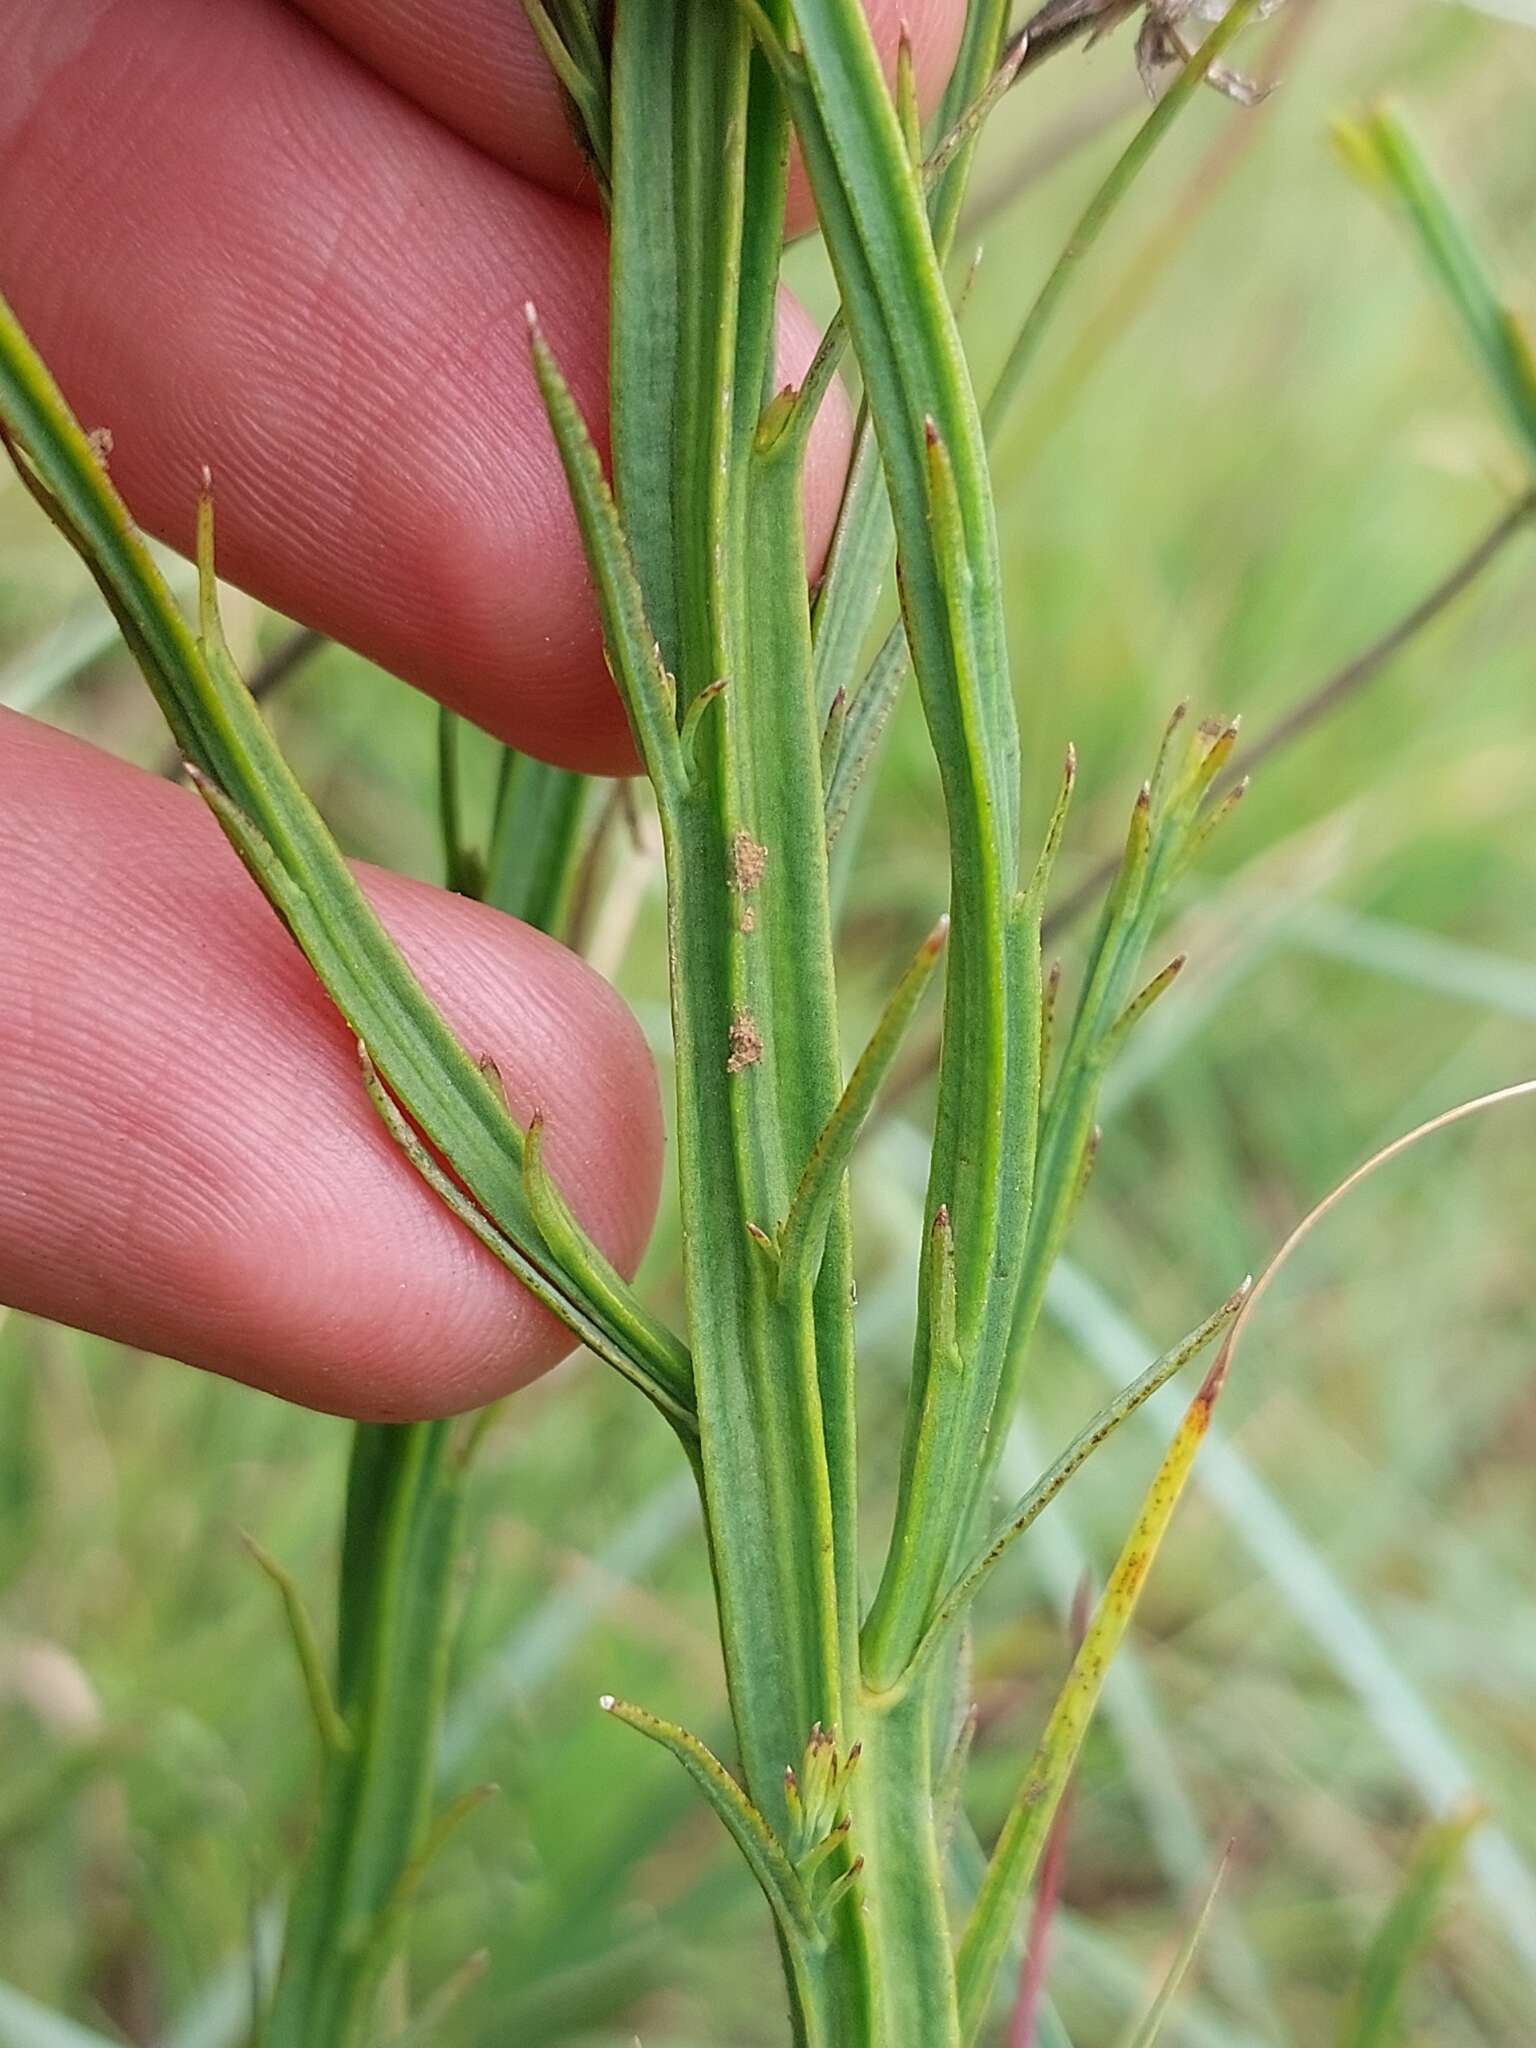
(239, 247)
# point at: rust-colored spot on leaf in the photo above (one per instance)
(1132, 1571)
(748, 860)
(746, 1043)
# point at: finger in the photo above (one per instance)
(190, 1164)
(477, 66)
(239, 247)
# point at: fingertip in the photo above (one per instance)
(192, 1164)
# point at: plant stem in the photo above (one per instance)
(715, 529)
(903, 1872)
(394, 1624)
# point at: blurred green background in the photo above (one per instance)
(1254, 443)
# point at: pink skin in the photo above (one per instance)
(297, 249)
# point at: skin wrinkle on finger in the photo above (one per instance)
(241, 248)
(190, 1163)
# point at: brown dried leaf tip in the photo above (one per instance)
(746, 1043)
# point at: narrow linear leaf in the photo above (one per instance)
(751, 1833)
(850, 1881)
(241, 773)
(1025, 2025)
(858, 560)
(447, 1823)
(463, 872)
(865, 722)
(810, 1211)
(956, 578)
(422, 2030)
(387, 1933)
(1040, 881)
(1082, 1447)
(648, 691)
(907, 110)
(330, 1724)
(1403, 1939)
(968, 126)
(947, 1791)
(536, 841)
(1150, 2031)
(1386, 148)
(600, 1281)
(1014, 1860)
(572, 54)
(700, 709)
(1141, 1002)
(832, 736)
(675, 1403)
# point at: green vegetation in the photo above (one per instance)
(1248, 445)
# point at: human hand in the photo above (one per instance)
(293, 242)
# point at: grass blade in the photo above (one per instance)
(531, 862)
(648, 691)
(1149, 2033)
(1386, 150)
(1343, 1630)
(1027, 2022)
(644, 1338)
(1102, 208)
(751, 1833)
(1374, 2018)
(1023, 1838)
(1078, 1452)
(329, 1722)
